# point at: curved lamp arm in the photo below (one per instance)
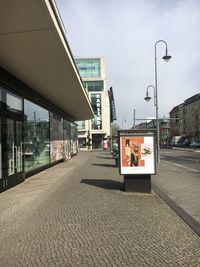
(148, 98)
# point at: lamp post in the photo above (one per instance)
(123, 120)
(166, 58)
(148, 98)
(134, 118)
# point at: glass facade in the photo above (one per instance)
(14, 103)
(93, 86)
(74, 138)
(36, 136)
(56, 126)
(31, 137)
(11, 137)
(10, 147)
(0, 152)
(81, 125)
(89, 68)
(0, 138)
(67, 139)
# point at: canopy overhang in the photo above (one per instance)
(33, 48)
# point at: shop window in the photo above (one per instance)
(14, 103)
(74, 138)
(0, 150)
(56, 136)
(36, 136)
(66, 139)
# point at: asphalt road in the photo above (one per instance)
(188, 159)
(178, 176)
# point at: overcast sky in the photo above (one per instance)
(125, 32)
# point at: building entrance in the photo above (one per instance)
(97, 140)
(11, 154)
(11, 137)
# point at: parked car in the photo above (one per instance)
(195, 144)
(185, 143)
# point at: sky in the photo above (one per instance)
(125, 33)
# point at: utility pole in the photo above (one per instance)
(134, 118)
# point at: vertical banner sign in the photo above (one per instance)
(96, 105)
(112, 105)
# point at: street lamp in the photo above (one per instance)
(147, 98)
(123, 120)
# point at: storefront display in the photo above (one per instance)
(66, 139)
(36, 136)
(56, 135)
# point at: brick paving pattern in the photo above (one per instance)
(76, 214)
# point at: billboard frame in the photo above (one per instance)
(137, 136)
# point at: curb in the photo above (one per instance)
(194, 225)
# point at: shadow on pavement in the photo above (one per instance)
(104, 157)
(104, 165)
(103, 183)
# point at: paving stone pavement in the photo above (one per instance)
(76, 214)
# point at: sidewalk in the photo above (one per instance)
(76, 214)
(180, 190)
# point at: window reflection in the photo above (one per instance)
(0, 152)
(66, 137)
(57, 151)
(14, 102)
(93, 86)
(88, 67)
(36, 136)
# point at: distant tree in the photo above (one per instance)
(114, 128)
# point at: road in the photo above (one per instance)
(188, 159)
(178, 176)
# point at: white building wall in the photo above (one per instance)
(105, 107)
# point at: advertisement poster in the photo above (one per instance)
(137, 155)
(56, 127)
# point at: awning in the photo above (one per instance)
(34, 49)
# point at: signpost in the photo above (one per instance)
(137, 159)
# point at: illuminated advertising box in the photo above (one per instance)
(137, 152)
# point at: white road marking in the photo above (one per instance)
(184, 167)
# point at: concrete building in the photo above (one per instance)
(192, 117)
(185, 119)
(177, 121)
(41, 92)
(164, 126)
(92, 71)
